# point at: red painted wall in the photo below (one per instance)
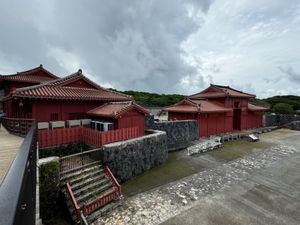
(254, 120)
(132, 118)
(216, 123)
(42, 109)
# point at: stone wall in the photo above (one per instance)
(133, 157)
(295, 125)
(180, 133)
(279, 119)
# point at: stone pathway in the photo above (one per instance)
(158, 205)
(9, 147)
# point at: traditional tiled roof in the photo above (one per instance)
(74, 77)
(252, 107)
(55, 89)
(196, 106)
(220, 91)
(116, 109)
(30, 76)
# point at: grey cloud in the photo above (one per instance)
(128, 44)
(291, 74)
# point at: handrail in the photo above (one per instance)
(113, 179)
(105, 199)
(99, 202)
(17, 191)
(73, 201)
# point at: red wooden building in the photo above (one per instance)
(121, 114)
(40, 95)
(218, 109)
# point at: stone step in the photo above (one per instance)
(104, 210)
(82, 177)
(71, 171)
(90, 187)
(93, 177)
(100, 191)
(81, 174)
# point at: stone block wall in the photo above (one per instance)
(279, 119)
(133, 157)
(179, 133)
(295, 125)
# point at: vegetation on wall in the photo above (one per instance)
(49, 191)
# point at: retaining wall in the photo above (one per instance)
(130, 158)
(279, 119)
(295, 125)
(179, 133)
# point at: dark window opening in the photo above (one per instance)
(54, 116)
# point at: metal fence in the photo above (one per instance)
(18, 189)
(74, 161)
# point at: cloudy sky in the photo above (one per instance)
(165, 46)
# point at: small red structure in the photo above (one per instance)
(121, 114)
(218, 109)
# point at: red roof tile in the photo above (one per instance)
(221, 91)
(196, 106)
(252, 107)
(116, 109)
(55, 90)
(30, 76)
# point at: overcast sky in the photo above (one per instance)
(165, 46)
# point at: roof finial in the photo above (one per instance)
(41, 65)
(80, 71)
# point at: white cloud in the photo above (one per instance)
(246, 41)
(158, 46)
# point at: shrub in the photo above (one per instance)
(283, 108)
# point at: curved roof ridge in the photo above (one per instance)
(29, 71)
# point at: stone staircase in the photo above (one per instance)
(90, 190)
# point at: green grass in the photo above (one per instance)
(236, 149)
(177, 166)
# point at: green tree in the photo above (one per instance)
(283, 108)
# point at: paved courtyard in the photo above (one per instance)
(244, 183)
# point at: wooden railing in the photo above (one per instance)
(113, 179)
(105, 199)
(60, 136)
(18, 126)
(73, 201)
(56, 137)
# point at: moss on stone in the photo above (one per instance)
(49, 189)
